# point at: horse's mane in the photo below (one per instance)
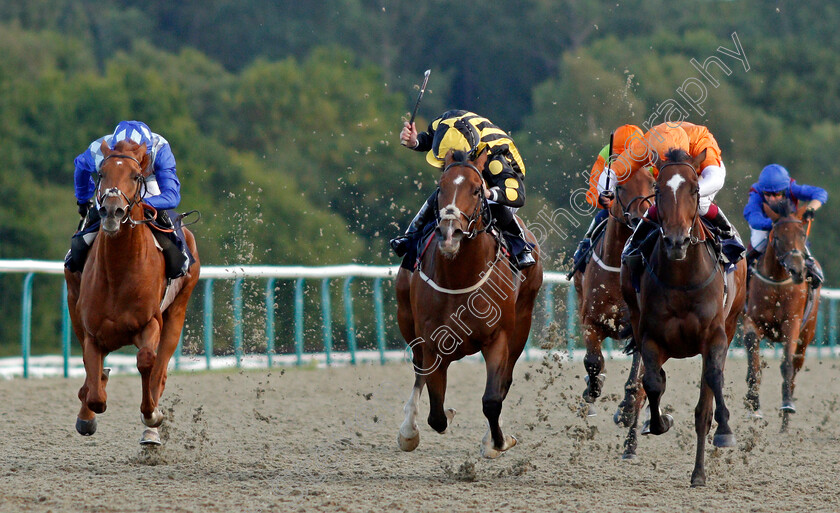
(677, 155)
(460, 156)
(126, 145)
(783, 208)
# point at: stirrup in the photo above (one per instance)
(399, 245)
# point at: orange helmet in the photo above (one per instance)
(623, 135)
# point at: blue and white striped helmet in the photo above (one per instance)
(136, 131)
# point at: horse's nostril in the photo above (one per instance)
(119, 212)
(102, 212)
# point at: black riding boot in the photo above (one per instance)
(514, 235)
(581, 255)
(731, 246)
(400, 245)
(815, 272)
(176, 259)
(81, 242)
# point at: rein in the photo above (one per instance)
(116, 192)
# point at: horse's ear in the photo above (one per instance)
(145, 161)
(655, 161)
(447, 159)
(481, 159)
(698, 160)
(769, 212)
(105, 148)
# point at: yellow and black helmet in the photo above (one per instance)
(455, 133)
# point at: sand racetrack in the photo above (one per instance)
(325, 440)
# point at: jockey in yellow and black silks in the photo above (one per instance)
(503, 174)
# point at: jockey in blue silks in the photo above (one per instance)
(775, 185)
(163, 190)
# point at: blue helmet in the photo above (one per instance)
(773, 178)
(136, 131)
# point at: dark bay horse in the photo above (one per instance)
(781, 305)
(601, 309)
(464, 298)
(121, 296)
(687, 305)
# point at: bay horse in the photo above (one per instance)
(463, 298)
(781, 305)
(601, 309)
(121, 297)
(687, 305)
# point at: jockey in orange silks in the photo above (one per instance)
(622, 137)
(693, 139)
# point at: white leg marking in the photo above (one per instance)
(409, 436)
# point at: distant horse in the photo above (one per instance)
(464, 298)
(781, 305)
(686, 305)
(121, 296)
(601, 309)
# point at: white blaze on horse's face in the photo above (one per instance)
(674, 183)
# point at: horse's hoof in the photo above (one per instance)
(408, 444)
(628, 456)
(86, 427)
(153, 421)
(727, 440)
(591, 411)
(757, 414)
(788, 407)
(620, 418)
(150, 436)
(668, 421)
(450, 414)
(490, 452)
(698, 482)
(645, 428)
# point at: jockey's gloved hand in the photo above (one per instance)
(84, 206)
(606, 198)
(809, 214)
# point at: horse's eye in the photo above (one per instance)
(477, 191)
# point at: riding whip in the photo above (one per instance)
(420, 96)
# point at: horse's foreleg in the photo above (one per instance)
(146, 356)
(752, 339)
(713, 364)
(790, 334)
(653, 380)
(594, 364)
(624, 414)
(702, 424)
(409, 435)
(96, 397)
(632, 410)
(499, 378)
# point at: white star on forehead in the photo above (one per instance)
(674, 183)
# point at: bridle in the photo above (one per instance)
(479, 212)
(781, 257)
(137, 198)
(626, 218)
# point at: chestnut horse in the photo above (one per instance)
(464, 298)
(781, 305)
(687, 305)
(601, 309)
(121, 297)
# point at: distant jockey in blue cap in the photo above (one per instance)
(774, 186)
(163, 192)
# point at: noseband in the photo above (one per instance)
(116, 192)
(481, 208)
